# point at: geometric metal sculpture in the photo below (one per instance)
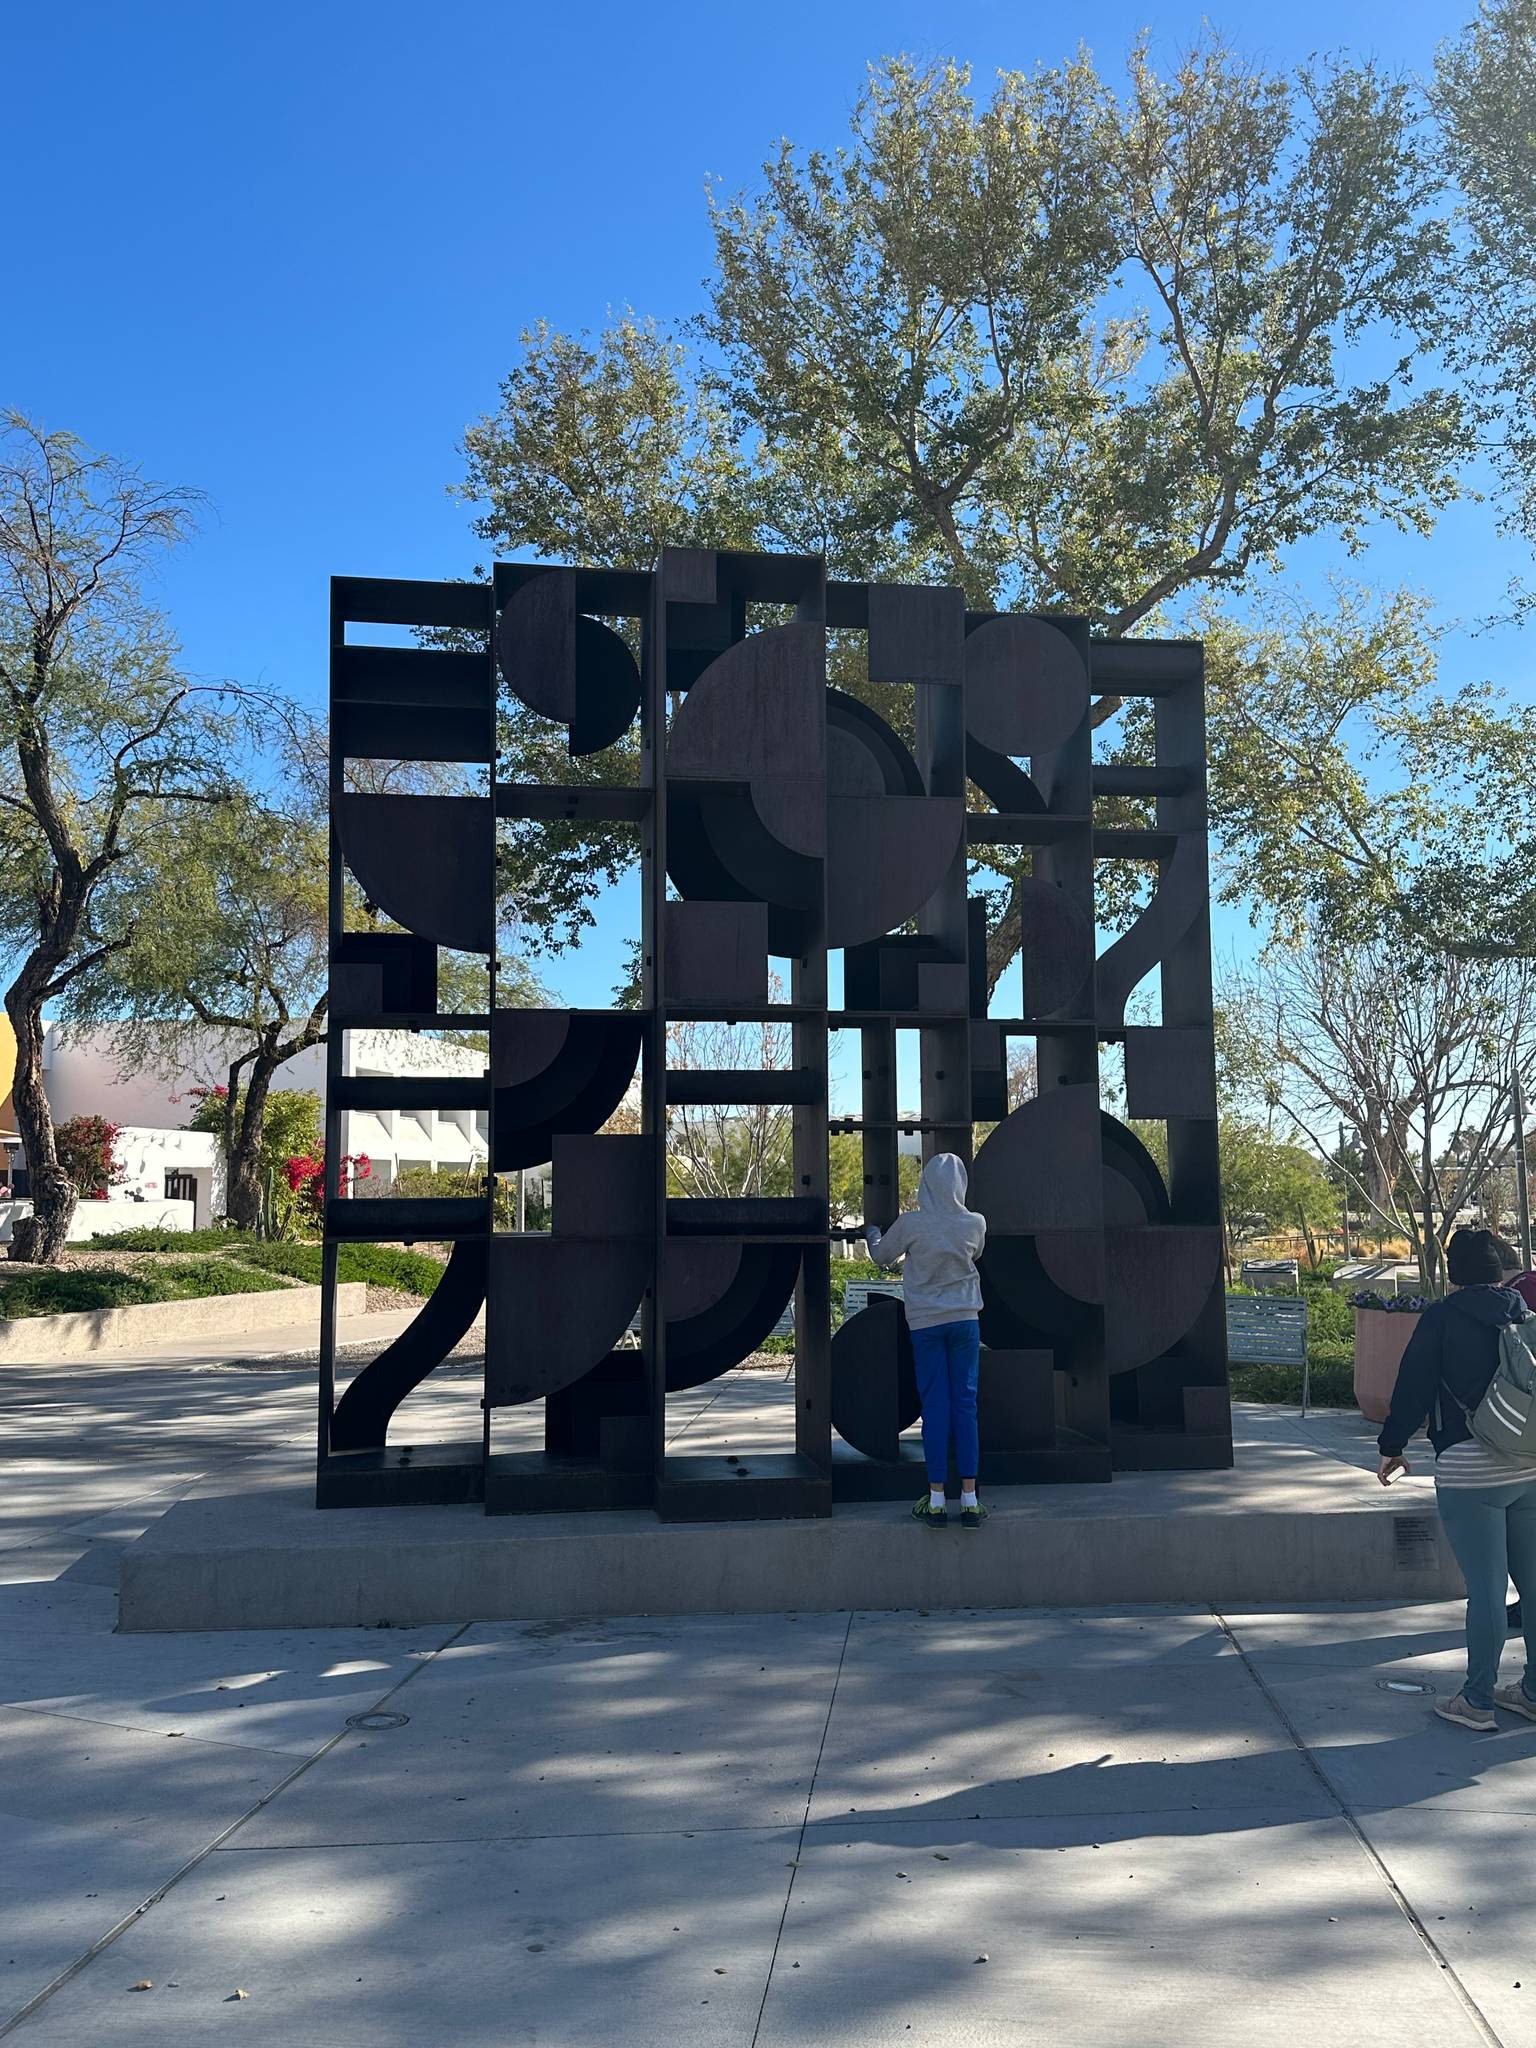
(778, 816)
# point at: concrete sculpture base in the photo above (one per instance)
(1300, 1519)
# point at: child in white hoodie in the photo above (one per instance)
(941, 1241)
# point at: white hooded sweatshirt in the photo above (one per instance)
(940, 1240)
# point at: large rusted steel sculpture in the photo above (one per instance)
(779, 817)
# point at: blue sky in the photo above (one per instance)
(284, 253)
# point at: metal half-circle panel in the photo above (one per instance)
(582, 1082)
(874, 1385)
(700, 873)
(1041, 1290)
(722, 1300)
(1134, 1191)
(763, 866)
(607, 687)
(1026, 686)
(1157, 1281)
(1042, 1168)
(858, 741)
(426, 862)
(755, 711)
(526, 1044)
(363, 1413)
(565, 665)
(557, 1307)
(1055, 947)
(1003, 780)
(536, 644)
(886, 855)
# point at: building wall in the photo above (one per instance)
(85, 1077)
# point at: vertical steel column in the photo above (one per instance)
(335, 924)
(1068, 1056)
(653, 1073)
(946, 1047)
(808, 1148)
(493, 762)
(877, 1111)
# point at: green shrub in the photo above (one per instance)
(71, 1289)
(422, 1184)
(221, 1238)
(379, 1265)
(1332, 1382)
(201, 1277)
(843, 1270)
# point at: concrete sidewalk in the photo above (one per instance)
(1155, 1826)
(1082, 1828)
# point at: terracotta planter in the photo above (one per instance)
(1381, 1338)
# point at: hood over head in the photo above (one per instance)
(943, 1184)
(1490, 1305)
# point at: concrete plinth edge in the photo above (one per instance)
(97, 1333)
(271, 1561)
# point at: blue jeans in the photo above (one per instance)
(1492, 1531)
(947, 1359)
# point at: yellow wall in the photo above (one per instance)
(7, 1076)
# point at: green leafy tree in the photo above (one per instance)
(292, 1127)
(1068, 349)
(1485, 96)
(1347, 784)
(112, 753)
(230, 965)
(845, 1178)
(1269, 1186)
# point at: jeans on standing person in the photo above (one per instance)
(1492, 1531)
(947, 1358)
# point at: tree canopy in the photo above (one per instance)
(112, 750)
(1067, 347)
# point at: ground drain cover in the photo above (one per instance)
(377, 1720)
(1402, 1685)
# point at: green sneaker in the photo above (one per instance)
(934, 1518)
(972, 1518)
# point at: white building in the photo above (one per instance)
(175, 1177)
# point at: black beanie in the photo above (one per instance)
(1472, 1259)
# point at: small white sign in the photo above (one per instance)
(857, 1294)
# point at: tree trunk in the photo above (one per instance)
(39, 1238)
(242, 1191)
(1311, 1244)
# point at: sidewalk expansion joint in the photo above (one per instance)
(1400, 1899)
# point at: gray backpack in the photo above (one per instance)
(1505, 1418)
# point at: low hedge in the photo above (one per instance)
(221, 1238)
(73, 1289)
(379, 1265)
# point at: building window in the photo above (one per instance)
(180, 1187)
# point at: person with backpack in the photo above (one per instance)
(941, 1241)
(1460, 1374)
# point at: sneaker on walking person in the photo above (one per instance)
(1514, 1699)
(941, 1241)
(1465, 1715)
